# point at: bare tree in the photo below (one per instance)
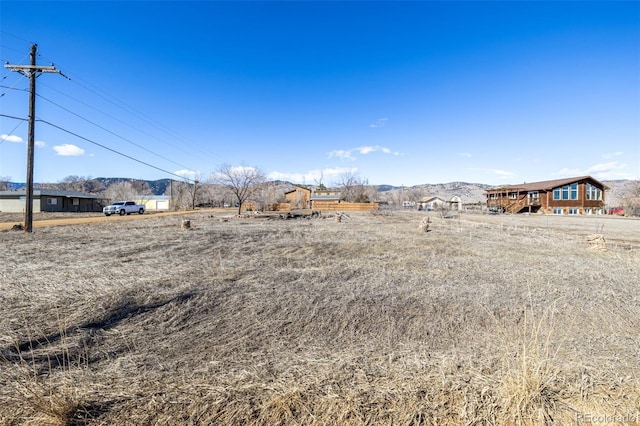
(78, 184)
(631, 200)
(126, 190)
(354, 188)
(266, 195)
(243, 181)
(4, 183)
(318, 181)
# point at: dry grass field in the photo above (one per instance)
(481, 320)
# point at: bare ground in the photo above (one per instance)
(482, 320)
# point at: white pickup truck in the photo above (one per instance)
(122, 208)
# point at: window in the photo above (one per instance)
(574, 210)
(567, 192)
(52, 201)
(557, 210)
(493, 196)
(587, 210)
(574, 191)
(513, 195)
(534, 195)
(593, 192)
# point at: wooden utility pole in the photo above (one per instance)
(32, 71)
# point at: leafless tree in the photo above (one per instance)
(127, 190)
(4, 183)
(243, 181)
(79, 184)
(631, 201)
(354, 189)
(318, 181)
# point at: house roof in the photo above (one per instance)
(48, 192)
(430, 198)
(545, 185)
(325, 196)
(297, 188)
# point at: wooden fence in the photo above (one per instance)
(342, 206)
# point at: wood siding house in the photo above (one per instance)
(51, 200)
(321, 198)
(573, 196)
(299, 197)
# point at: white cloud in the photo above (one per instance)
(342, 154)
(312, 176)
(11, 138)
(68, 150)
(189, 174)
(364, 150)
(611, 155)
(40, 144)
(609, 170)
(464, 154)
(380, 122)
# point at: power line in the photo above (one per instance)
(113, 133)
(98, 144)
(4, 138)
(113, 150)
(130, 110)
(113, 118)
(12, 87)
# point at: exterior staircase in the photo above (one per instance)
(518, 205)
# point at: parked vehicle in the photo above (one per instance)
(122, 208)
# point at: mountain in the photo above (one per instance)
(468, 192)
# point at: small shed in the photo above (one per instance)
(455, 203)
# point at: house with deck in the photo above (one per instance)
(570, 196)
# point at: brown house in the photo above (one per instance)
(299, 197)
(578, 195)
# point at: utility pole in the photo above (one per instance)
(32, 71)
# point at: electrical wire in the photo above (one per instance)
(111, 117)
(140, 116)
(3, 138)
(13, 88)
(111, 132)
(113, 150)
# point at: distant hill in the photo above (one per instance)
(468, 192)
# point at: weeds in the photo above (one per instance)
(358, 323)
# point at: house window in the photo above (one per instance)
(587, 210)
(557, 210)
(567, 192)
(513, 195)
(534, 195)
(52, 201)
(574, 210)
(574, 191)
(75, 201)
(493, 196)
(593, 192)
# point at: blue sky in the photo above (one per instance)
(401, 93)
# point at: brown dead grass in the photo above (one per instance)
(315, 322)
